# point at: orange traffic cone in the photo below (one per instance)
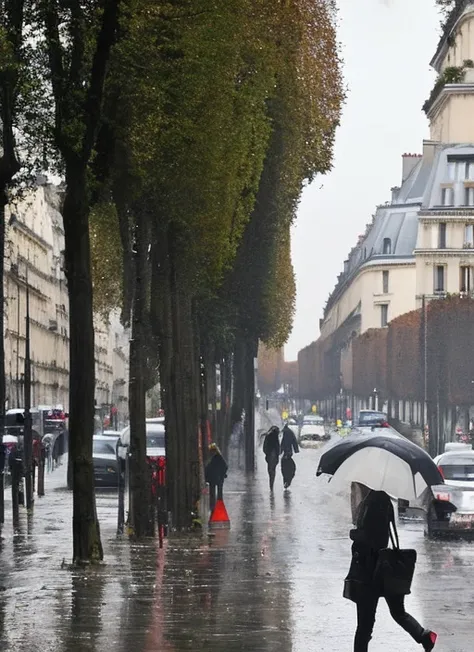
(219, 517)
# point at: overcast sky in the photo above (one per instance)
(387, 46)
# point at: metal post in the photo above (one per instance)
(41, 469)
(28, 432)
(121, 494)
(15, 467)
(18, 347)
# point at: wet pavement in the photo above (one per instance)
(273, 583)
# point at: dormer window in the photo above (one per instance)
(387, 246)
(469, 196)
(447, 197)
(460, 168)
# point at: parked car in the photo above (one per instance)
(312, 441)
(104, 458)
(313, 419)
(115, 434)
(155, 439)
(313, 432)
(450, 506)
(372, 418)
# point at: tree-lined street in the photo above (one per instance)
(271, 583)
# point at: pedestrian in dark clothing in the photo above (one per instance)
(215, 474)
(370, 536)
(271, 449)
(289, 444)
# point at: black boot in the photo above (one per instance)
(428, 640)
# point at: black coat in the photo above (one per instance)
(370, 536)
(289, 442)
(271, 448)
(216, 469)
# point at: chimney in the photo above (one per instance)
(409, 162)
(429, 149)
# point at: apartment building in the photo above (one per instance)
(34, 260)
(420, 244)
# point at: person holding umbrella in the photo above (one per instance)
(371, 535)
(390, 465)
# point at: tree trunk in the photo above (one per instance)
(87, 545)
(244, 398)
(226, 394)
(180, 379)
(238, 372)
(140, 488)
(250, 355)
(3, 204)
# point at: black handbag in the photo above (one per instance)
(357, 584)
(395, 567)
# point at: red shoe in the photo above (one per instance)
(429, 640)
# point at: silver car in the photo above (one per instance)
(450, 506)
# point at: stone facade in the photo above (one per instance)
(34, 258)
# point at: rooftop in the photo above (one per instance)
(390, 238)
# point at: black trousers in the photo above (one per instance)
(213, 488)
(366, 610)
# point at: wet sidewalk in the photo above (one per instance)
(273, 583)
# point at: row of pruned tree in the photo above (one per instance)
(422, 355)
(184, 131)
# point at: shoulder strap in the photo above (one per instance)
(393, 536)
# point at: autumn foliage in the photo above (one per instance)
(450, 350)
(370, 362)
(270, 363)
(391, 359)
(404, 357)
(319, 370)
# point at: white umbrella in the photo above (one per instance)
(378, 469)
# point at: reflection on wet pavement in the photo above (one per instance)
(273, 583)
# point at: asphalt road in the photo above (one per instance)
(272, 583)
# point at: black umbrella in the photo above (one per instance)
(387, 463)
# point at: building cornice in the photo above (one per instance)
(447, 91)
(394, 207)
(449, 220)
(445, 253)
(443, 212)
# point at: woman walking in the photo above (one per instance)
(289, 443)
(271, 449)
(370, 536)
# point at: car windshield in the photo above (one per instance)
(103, 448)
(460, 468)
(371, 417)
